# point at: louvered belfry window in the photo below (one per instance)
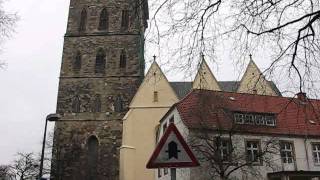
(83, 20)
(104, 18)
(125, 20)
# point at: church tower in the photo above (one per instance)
(102, 67)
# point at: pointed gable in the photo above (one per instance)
(205, 78)
(254, 82)
(155, 90)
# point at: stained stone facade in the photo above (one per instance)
(94, 89)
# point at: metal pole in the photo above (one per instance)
(43, 147)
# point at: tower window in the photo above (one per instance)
(76, 104)
(77, 63)
(123, 59)
(125, 20)
(104, 20)
(83, 20)
(92, 157)
(96, 103)
(118, 104)
(100, 62)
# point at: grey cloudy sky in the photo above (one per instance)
(30, 82)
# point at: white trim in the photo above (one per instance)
(127, 147)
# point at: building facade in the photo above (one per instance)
(249, 136)
(109, 111)
(102, 67)
(154, 98)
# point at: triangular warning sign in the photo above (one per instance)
(172, 151)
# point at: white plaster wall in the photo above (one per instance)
(301, 153)
(301, 163)
(182, 173)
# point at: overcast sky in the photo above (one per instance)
(29, 84)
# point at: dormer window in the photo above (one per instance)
(258, 119)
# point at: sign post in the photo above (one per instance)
(172, 151)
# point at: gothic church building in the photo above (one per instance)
(109, 112)
(102, 67)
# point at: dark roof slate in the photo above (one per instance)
(229, 86)
(183, 88)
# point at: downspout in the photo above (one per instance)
(306, 149)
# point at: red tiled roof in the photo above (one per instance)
(214, 110)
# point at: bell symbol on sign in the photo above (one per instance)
(173, 150)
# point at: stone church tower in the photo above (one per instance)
(102, 67)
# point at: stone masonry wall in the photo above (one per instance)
(78, 90)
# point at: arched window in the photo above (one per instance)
(123, 59)
(83, 20)
(77, 63)
(100, 61)
(76, 104)
(118, 104)
(96, 103)
(104, 20)
(125, 20)
(92, 157)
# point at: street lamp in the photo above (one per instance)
(50, 117)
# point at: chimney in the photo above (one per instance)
(302, 96)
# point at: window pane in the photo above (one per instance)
(252, 151)
(287, 152)
(239, 118)
(316, 153)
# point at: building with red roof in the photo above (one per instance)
(248, 136)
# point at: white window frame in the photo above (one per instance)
(286, 151)
(316, 153)
(223, 148)
(239, 118)
(270, 120)
(258, 119)
(250, 151)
